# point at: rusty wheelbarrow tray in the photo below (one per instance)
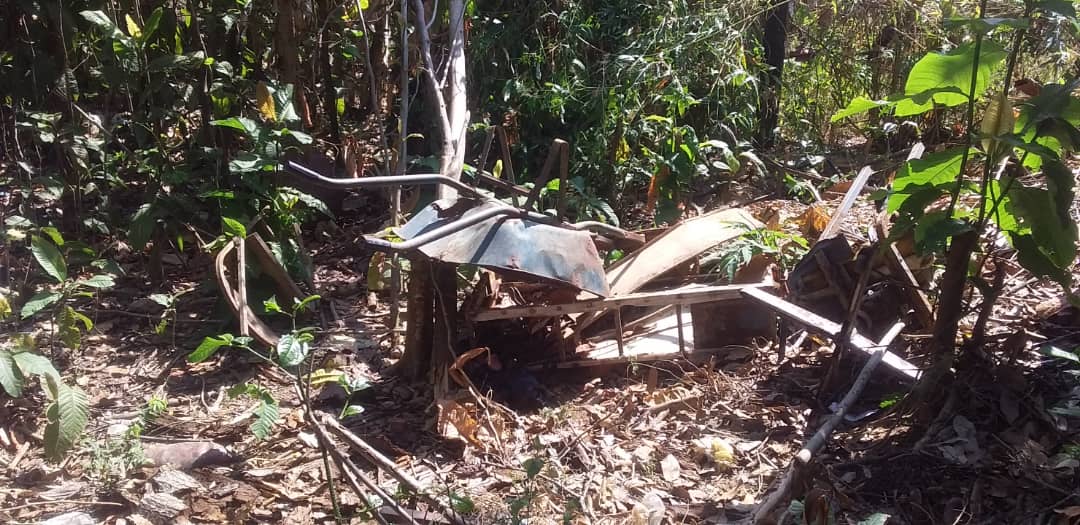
(475, 229)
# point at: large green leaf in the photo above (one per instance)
(67, 417)
(49, 258)
(860, 105)
(207, 348)
(103, 22)
(99, 282)
(142, 225)
(32, 364)
(11, 377)
(946, 77)
(39, 302)
(933, 171)
(291, 350)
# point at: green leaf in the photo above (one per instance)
(532, 467)
(99, 282)
(103, 22)
(283, 103)
(39, 302)
(462, 504)
(1039, 223)
(67, 331)
(271, 306)
(49, 258)
(185, 62)
(142, 226)
(302, 305)
(351, 410)
(11, 377)
(248, 126)
(934, 170)
(67, 418)
(152, 23)
(933, 231)
(983, 26)
(54, 235)
(1060, 353)
(300, 136)
(266, 415)
(310, 201)
(247, 162)
(291, 350)
(32, 364)
(946, 77)
(207, 348)
(877, 518)
(233, 227)
(860, 105)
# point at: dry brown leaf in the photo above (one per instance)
(265, 102)
(813, 221)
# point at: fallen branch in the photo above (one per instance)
(384, 463)
(806, 454)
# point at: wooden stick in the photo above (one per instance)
(383, 462)
(824, 326)
(241, 283)
(353, 475)
(818, 440)
(619, 331)
(802, 459)
(564, 175)
(700, 294)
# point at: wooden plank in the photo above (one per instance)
(679, 244)
(637, 358)
(703, 294)
(822, 325)
(833, 228)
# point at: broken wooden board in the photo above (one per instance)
(822, 325)
(679, 244)
(833, 228)
(686, 295)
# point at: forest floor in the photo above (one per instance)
(611, 445)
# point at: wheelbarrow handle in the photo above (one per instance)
(381, 182)
(442, 231)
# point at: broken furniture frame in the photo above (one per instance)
(679, 298)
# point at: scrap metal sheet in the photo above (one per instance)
(513, 245)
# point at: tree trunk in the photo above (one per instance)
(774, 42)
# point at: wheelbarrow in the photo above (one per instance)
(479, 230)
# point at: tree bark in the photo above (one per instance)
(774, 42)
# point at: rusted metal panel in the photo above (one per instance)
(512, 245)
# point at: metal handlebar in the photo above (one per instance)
(454, 226)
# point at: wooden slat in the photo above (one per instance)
(679, 244)
(703, 294)
(822, 325)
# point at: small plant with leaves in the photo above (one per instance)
(68, 409)
(785, 248)
(56, 299)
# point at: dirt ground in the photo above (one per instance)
(689, 442)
